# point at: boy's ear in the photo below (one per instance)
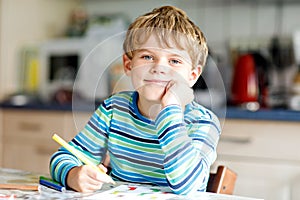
(195, 73)
(126, 65)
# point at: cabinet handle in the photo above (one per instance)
(236, 140)
(27, 126)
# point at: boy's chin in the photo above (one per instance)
(152, 94)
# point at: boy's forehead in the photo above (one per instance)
(153, 44)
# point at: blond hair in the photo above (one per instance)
(170, 25)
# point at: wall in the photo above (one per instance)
(223, 22)
(254, 21)
(27, 22)
(132, 8)
(248, 25)
(220, 20)
(234, 23)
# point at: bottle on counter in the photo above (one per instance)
(294, 102)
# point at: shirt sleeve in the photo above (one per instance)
(189, 148)
(92, 141)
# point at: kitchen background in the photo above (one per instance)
(232, 27)
(249, 40)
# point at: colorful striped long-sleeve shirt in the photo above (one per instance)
(175, 150)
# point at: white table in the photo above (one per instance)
(121, 190)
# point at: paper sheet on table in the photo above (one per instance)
(134, 191)
(137, 191)
(145, 192)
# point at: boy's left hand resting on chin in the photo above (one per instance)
(177, 93)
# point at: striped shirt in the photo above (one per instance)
(175, 150)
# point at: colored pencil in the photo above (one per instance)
(81, 156)
(51, 184)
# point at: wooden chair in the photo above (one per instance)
(222, 182)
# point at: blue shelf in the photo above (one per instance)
(263, 114)
(83, 107)
(231, 112)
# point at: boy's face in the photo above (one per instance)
(153, 67)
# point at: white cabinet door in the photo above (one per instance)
(295, 189)
(265, 155)
(267, 179)
(27, 143)
(27, 136)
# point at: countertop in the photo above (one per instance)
(228, 112)
(122, 190)
(263, 114)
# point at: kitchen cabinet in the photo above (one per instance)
(1, 139)
(27, 136)
(265, 155)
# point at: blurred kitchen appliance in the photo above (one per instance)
(282, 71)
(29, 69)
(244, 88)
(80, 64)
(209, 90)
(60, 61)
(296, 46)
(249, 82)
(294, 101)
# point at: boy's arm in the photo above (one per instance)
(92, 140)
(189, 151)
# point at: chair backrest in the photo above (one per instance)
(222, 182)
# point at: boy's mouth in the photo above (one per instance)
(156, 82)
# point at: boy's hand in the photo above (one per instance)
(85, 179)
(178, 93)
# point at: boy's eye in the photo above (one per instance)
(147, 57)
(175, 62)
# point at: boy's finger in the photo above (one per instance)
(169, 85)
(102, 177)
(102, 168)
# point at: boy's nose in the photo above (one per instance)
(159, 67)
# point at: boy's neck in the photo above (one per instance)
(148, 109)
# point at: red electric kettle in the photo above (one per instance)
(249, 83)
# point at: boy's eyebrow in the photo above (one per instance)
(143, 50)
(169, 51)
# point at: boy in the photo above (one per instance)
(156, 134)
